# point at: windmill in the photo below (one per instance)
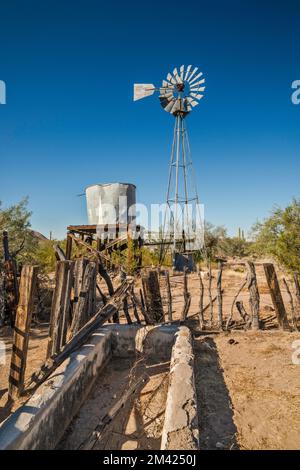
(179, 93)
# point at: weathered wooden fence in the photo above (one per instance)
(77, 309)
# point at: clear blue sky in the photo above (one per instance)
(70, 120)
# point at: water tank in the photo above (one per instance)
(110, 203)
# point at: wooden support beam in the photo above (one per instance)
(21, 331)
(152, 296)
(276, 295)
(254, 294)
(61, 304)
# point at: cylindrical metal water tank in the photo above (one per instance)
(110, 203)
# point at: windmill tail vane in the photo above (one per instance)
(179, 93)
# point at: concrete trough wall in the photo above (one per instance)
(41, 422)
(181, 429)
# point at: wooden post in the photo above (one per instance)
(91, 308)
(69, 246)
(186, 296)
(80, 314)
(21, 331)
(210, 294)
(60, 309)
(152, 296)
(104, 274)
(79, 268)
(294, 321)
(219, 294)
(254, 294)
(126, 311)
(59, 253)
(276, 295)
(140, 303)
(229, 319)
(135, 312)
(169, 295)
(241, 309)
(297, 289)
(201, 295)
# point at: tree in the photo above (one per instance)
(235, 246)
(16, 220)
(279, 236)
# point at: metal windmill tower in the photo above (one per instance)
(179, 94)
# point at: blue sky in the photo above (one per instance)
(70, 120)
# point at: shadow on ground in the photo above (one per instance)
(216, 425)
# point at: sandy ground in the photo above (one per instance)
(248, 388)
(138, 425)
(248, 391)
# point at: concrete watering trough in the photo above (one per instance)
(66, 409)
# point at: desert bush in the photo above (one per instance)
(16, 220)
(279, 236)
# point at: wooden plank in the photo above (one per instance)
(80, 314)
(60, 308)
(66, 314)
(276, 296)
(254, 294)
(21, 331)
